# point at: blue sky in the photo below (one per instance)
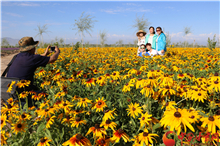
(19, 19)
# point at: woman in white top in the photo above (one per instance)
(141, 40)
(151, 38)
(151, 51)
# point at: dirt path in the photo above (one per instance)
(5, 60)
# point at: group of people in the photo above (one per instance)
(151, 44)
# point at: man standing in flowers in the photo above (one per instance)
(26, 62)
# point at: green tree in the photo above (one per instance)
(212, 43)
(84, 23)
(102, 38)
(4, 42)
(141, 23)
(187, 30)
(61, 41)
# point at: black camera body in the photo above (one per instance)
(52, 49)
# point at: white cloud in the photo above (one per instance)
(121, 10)
(13, 14)
(24, 4)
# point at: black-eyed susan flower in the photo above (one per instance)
(83, 102)
(99, 104)
(134, 110)
(77, 121)
(97, 131)
(109, 114)
(4, 137)
(144, 119)
(60, 94)
(168, 105)
(89, 82)
(23, 94)
(115, 75)
(24, 116)
(50, 121)
(146, 137)
(23, 83)
(212, 122)
(167, 90)
(19, 127)
(174, 118)
(3, 120)
(103, 142)
(147, 90)
(10, 86)
(108, 124)
(118, 134)
(44, 142)
(127, 87)
(199, 95)
(77, 140)
(66, 105)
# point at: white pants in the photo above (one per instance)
(160, 53)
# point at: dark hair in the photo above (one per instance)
(160, 29)
(153, 29)
(148, 44)
(144, 45)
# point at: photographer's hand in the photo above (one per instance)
(47, 52)
(55, 55)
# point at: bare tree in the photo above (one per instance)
(84, 23)
(102, 38)
(187, 30)
(61, 41)
(41, 30)
(141, 23)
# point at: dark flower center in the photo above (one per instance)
(145, 134)
(143, 118)
(148, 86)
(150, 78)
(2, 121)
(47, 119)
(68, 117)
(200, 79)
(64, 104)
(102, 141)
(196, 89)
(43, 140)
(216, 74)
(192, 117)
(19, 125)
(78, 119)
(8, 85)
(216, 82)
(23, 116)
(114, 74)
(106, 111)
(152, 70)
(99, 103)
(218, 112)
(83, 99)
(167, 87)
(139, 79)
(133, 109)
(211, 118)
(46, 110)
(22, 81)
(108, 121)
(100, 78)
(120, 131)
(79, 136)
(97, 126)
(199, 94)
(177, 114)
(9, 106)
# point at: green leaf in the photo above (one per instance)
(156, 126)
(40, 128)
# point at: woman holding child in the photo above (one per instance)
(151, 38)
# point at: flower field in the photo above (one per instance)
(109, 96)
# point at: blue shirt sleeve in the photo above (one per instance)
(147, 54)
(41, 60)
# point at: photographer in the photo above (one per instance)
(26, 62)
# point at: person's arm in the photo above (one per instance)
(55, 55)
(163, 43)
(47, 52)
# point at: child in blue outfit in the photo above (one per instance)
(143, 51)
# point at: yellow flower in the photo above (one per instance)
(23, 83)
(108, 124)
(134, 110)
(127, 87)
(99, 104)
(77, 140)
(211, 122)
(19, 127)
(50, 121)
(83, 102)
(118, 134)
(10, 86)
(77, 121)
(97, 131)
(146, 137)
(44, 142)
(109, 114)
(3, 120)
(144, 119)
(174, 118)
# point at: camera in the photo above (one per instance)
(52, 49)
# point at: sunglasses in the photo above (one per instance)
(158, 30)
(142, 47)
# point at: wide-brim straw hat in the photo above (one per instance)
(27, 43)
(141, 31)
